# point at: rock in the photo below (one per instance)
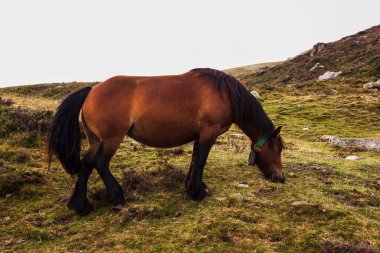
(220, 199)
(333, 156)
(118, 207)
(262, 69)
(305, 129)
(326, 138)
(316, 66)
(242, 185)
(63, 198)
(134, 143)
(237, 136)
(8, 195)
(7, 218)
(368, 85)
(329, 75)
(291, 174)
(299, 202)
(372, 85)
(317, 48)
(333, 92)
(352, 157)
(355, 143)
(7, 242)
(255, 94)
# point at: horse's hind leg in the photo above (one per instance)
(78, 200)
(101, 161)
(104, 150)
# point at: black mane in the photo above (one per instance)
(247, 110)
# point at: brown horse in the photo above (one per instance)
(162, 111)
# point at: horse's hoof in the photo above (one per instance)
(118, 207)
(81, 209)
(116, 198)
(197, 194)
(86, 210)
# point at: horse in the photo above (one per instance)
(162, 112)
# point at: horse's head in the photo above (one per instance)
(266, 153)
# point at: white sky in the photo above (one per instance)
(55, 41)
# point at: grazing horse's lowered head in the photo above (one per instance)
(266, 153)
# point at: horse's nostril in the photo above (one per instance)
(277, 178)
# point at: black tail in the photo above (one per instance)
(64, 133)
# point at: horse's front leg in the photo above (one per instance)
(195, 187)
(192, 164)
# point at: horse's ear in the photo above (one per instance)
(277, 131)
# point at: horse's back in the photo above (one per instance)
(160, 111)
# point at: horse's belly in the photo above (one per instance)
(163, 134)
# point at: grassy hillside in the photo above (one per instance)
(357, 56)
(328, 203)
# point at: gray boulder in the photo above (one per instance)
(355, 143)
(372, 85)
(352, 157)
(329, 75)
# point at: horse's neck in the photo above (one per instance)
(252, 131)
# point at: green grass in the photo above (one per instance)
(339, 199)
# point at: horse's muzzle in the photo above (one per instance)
(277, 178)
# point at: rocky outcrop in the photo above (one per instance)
(317, 48)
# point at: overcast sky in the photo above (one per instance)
(62, 41)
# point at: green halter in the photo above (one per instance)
(260, 144)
